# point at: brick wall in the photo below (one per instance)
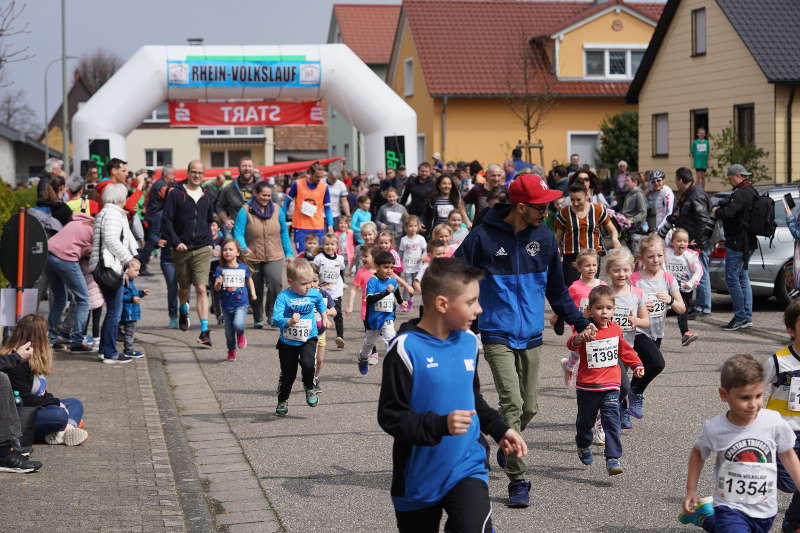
(303, 137)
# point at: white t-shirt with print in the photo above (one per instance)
(330, 271)
(412, 250)
(745, 478)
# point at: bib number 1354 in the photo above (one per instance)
(747, 483)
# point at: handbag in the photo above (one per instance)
(106, 277)
(27, 419)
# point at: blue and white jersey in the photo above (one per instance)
(288, 303)
(381, 309)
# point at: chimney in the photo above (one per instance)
(195, 41)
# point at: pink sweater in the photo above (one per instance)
(74, 241)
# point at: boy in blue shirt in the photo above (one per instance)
(294, 315)
(382, 297)
(430, 402)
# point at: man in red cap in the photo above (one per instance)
(521, 263)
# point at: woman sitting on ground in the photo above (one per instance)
(58, 421)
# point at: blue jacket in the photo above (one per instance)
(131, 312)
(520, 270)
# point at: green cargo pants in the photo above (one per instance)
(516, 378)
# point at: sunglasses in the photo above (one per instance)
(542, 208)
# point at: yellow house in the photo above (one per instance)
(713, 63)
(465, 67)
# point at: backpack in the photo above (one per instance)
(762, 217)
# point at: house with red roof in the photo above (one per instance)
(368, 29)
(468, 66)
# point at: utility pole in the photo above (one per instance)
(65, 103)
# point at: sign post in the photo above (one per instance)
(26, 235)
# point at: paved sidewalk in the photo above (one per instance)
(118, 480)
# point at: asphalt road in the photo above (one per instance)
(329, 468)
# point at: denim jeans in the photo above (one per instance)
(108, 333)
(53, 418)
(168, 269)
(234, 324)
(607, 403)
(66, 276)
(10, 427)
(151, 235)
(737, 278)
(703, 295)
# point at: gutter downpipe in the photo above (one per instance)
(789, 134)
(444, 126)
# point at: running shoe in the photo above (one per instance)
(688, 338)
(613, 467)
(636, 405)
(569, 373)
(519, 494)
(118, 359)
(340, 343)
(232, 355)
(625, 419)
(259, 325)
(373, 359)
(703, 509)
(241, 340)
(205, 338)
(598, 434)
(183, 320)
(311, 397)
(133, 354)
(363, 366)
(83, 347)
(735, 324)
(282, 409)
(585, 455)
(15, 463)
(317, 388)
(173, 323)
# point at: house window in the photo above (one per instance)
(157, 157)
(661, 135)
(346, 153)
(159, 114)
(227, 158)
(699, 32)
(614, 63)
(408, 77)
(232, 131)
(421, 147)
(744, 123)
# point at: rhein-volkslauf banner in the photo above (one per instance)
(257, 71)
(244, 113)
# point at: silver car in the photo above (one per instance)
(772, 277)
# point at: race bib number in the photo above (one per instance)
(602, 353)
(233, 278)
(622, 316)
(794, 394)
(308, 209)
(746, 483)
(583, 304)
(299, 332)
(679, 270)
(385, 304)
(411, 262)
(329, 275)
(701, 148)
(394, 217)
(443, 211)
(658, 308)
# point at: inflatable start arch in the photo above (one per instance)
(331, 72)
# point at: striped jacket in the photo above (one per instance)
(582, 233)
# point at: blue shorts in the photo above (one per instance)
(727, 520)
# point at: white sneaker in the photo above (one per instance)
(340, 343)
(598, 435)
(55, 438)
(75, 436)
(373, 359)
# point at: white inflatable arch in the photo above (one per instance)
(331, 72)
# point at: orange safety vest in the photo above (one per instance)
(309, 206)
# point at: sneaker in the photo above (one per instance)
(88, 340)
(373, 359)
(220, 320)
(363, 366)
(173, 323)
(241, 340)
(688, 338)
(340, 343)
(625, 419)
(703, 509)
(598, 435)
(502, 461)
(231, 355)
(519, 494)
(585, 455)
(183, 320)
(735, 324)
(205, 338)
(747, 324)
(569, 373)
(56, 437)
(75, 436)
(558, 327)
(694, 314)
(133, 354)
(16, 463)
(259, 325)
(317, 388)
(636, 405)
(118, 359)
(613, 467)
(311, 397)
(81, 348)
(282, 409)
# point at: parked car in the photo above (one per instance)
(770, 267)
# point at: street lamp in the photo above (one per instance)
(46, 129)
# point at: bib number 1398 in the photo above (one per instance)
(602, 353)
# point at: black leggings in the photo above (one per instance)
(292, 356)
(467, 506)
(338, 320)
(683, 322)
(96, 314)
(649, 352)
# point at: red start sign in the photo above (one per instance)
(244, 113)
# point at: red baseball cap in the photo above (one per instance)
(531, 189)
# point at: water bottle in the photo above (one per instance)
(17, 399)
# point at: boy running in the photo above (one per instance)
(430, 390)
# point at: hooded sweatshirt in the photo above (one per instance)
(75, 240)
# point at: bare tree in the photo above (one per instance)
(530, 95)
(10, 26)
(97, 67)
(16, 113)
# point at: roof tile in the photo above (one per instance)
(368, 29)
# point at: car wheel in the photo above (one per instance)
(784, 284)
